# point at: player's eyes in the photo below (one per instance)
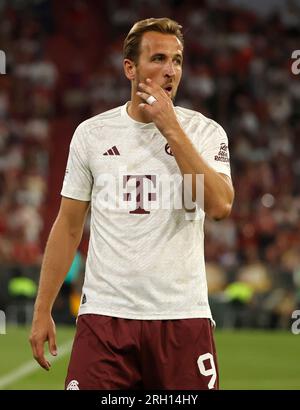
(178, 61)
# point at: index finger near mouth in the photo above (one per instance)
(144, 87)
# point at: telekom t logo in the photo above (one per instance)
(139, 192)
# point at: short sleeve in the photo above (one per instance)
(215, 151)
(78, 179)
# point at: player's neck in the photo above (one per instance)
(134, 111)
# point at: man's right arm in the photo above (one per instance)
(62, 244)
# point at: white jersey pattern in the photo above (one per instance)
(147, 264)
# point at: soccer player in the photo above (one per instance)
(144, 319)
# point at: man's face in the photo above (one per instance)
(160, 60)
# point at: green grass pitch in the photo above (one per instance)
(248, 360)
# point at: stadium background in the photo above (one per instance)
(64, 64)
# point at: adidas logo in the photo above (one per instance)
(112, 151)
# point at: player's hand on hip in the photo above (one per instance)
(158, 106)
(43, 329)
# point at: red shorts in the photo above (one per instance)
(114, 353)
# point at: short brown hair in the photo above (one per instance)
(164, 25)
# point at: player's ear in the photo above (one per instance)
(129, 69)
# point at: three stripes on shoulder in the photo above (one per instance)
(112, 151)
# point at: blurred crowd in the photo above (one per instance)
(64, 62)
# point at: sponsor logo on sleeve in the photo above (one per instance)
(222, 154)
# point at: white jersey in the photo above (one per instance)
(146, 260)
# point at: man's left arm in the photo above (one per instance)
(218, 189)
